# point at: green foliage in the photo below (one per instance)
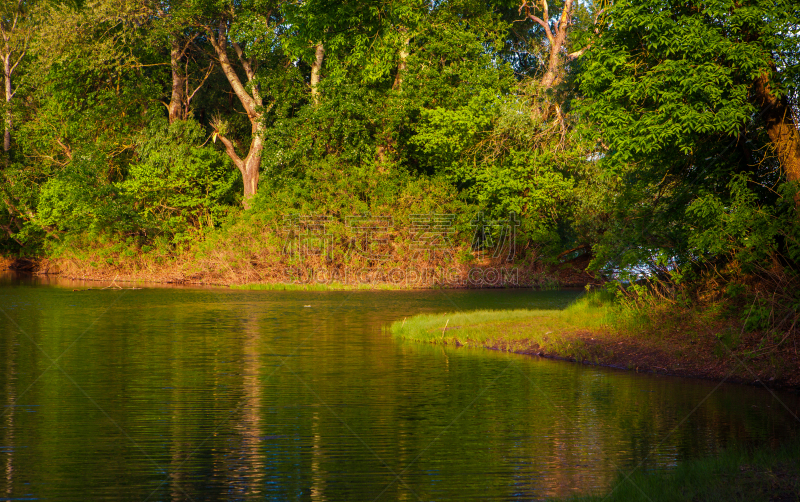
(744, 227)
(669, 86)
(666, 75)
(361, 39)
(79, 199)
(651, 152)
(505, 158)
(179, 184)
(450, 133)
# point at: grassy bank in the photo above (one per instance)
(564, 333)
(735, 474)
(709, 342)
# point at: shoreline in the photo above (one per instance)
(656, 371)
(423, 276)
(591, 339)
(278, 285)
(590, 343)
(643, 367)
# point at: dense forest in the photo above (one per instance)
(647, 137)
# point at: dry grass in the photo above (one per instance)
(258, 254)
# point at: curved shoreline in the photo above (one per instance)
(702, 357)
(657, 371)
(587, 337)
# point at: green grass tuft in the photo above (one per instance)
(546, 328)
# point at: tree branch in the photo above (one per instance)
(14, 66)
(544, 23)
(248, 70)
(575, 55)
(219, 42)
(231, 151)
(566, 16)
(190, 96)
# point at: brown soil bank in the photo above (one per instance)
(682, 354)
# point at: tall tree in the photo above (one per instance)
(240, 33)
(316, 71)
(16, 28)
(172, 27)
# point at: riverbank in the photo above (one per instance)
(766, 474)
(269, 272)
(710, 344)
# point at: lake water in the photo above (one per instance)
(212, 394)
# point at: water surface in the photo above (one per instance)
(212, 394)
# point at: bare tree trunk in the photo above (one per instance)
(387, 145)
(402, 65)
(557, 41)
(316, 72)
(781, 128)
(252, 103)
(555, 63)
(248, 166)
(178, 81)
(251, 165)
(9, 95)
(15, 33)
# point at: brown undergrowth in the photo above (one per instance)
(263, 254)
(731, 325)
(215, 269)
